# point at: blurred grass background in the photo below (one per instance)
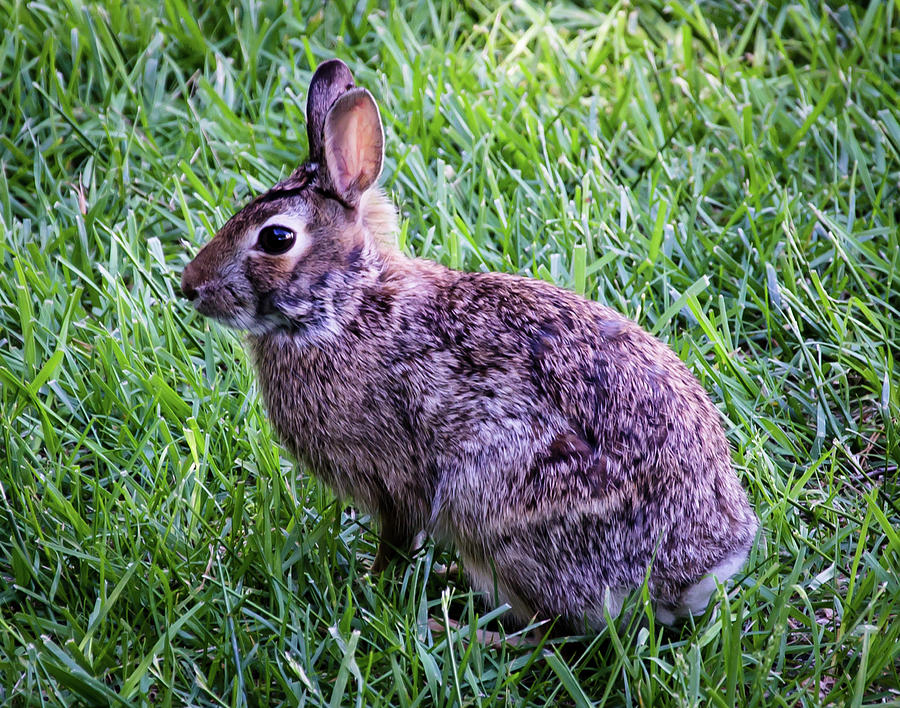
(725, 173)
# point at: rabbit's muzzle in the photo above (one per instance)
(202, 289)
(192, 278)
(188, 290)
(216, 292)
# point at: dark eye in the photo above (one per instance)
(275, 239)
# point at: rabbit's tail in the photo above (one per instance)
(695, 599)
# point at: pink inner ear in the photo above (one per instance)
(349, 156)
(353, 145)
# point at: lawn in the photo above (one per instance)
(726, 174)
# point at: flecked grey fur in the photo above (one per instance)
(557, 445)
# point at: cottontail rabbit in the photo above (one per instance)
(558, 446)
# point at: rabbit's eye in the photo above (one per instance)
(275, 239)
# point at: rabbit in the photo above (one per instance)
(567, 454)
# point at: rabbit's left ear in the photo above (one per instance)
(331, 79)
(353, 144)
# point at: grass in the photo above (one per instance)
(726, 174)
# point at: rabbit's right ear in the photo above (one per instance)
(331, 79)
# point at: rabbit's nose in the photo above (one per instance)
(188, 291)
(187, 287)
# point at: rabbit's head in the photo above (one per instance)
(284, 260)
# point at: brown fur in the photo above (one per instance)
(561, 448)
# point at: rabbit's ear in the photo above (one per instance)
(354, 144)
(331, 79)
